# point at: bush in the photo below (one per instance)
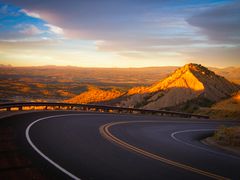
(228, 135)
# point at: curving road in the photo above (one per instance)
(110, 146)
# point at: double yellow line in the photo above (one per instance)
(104, 130)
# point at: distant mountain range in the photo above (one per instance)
(230, 73)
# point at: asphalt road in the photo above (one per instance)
(70, 145)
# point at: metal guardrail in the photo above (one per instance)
(92, 107)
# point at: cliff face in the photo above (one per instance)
(189, 82)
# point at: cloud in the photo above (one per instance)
(55, 29)
(96, 19)
(145, 29)
(124, 25)
(149, 44)
(26, 44)
(220, 24)
(30, 13)
(29, 29)
(18, 24)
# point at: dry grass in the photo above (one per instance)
(228, 135)
(230, 104)
(225, 109)
(95, 95)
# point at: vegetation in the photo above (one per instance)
(226, 109)
(142, 103)
(228, 135)
(193, 105)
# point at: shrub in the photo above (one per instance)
(228, 135)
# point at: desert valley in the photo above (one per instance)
(192, 88)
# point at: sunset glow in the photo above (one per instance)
(119, 33)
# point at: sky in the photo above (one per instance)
(119, 33)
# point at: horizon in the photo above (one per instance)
(126, 34)
(72, 66)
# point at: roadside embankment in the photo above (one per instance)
(227, 138)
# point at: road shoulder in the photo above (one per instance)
(211, 142)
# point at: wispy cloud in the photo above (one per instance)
(29, 29)
(55, 29)
(30, 13)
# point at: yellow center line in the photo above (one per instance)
(104, 130)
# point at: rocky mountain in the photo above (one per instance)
(192, 84)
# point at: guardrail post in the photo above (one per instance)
(104, 110)
(68, 107)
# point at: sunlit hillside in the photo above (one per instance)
(94, 95)
(183, 90)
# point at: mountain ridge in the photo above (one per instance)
(186, 83)
(192, 86)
